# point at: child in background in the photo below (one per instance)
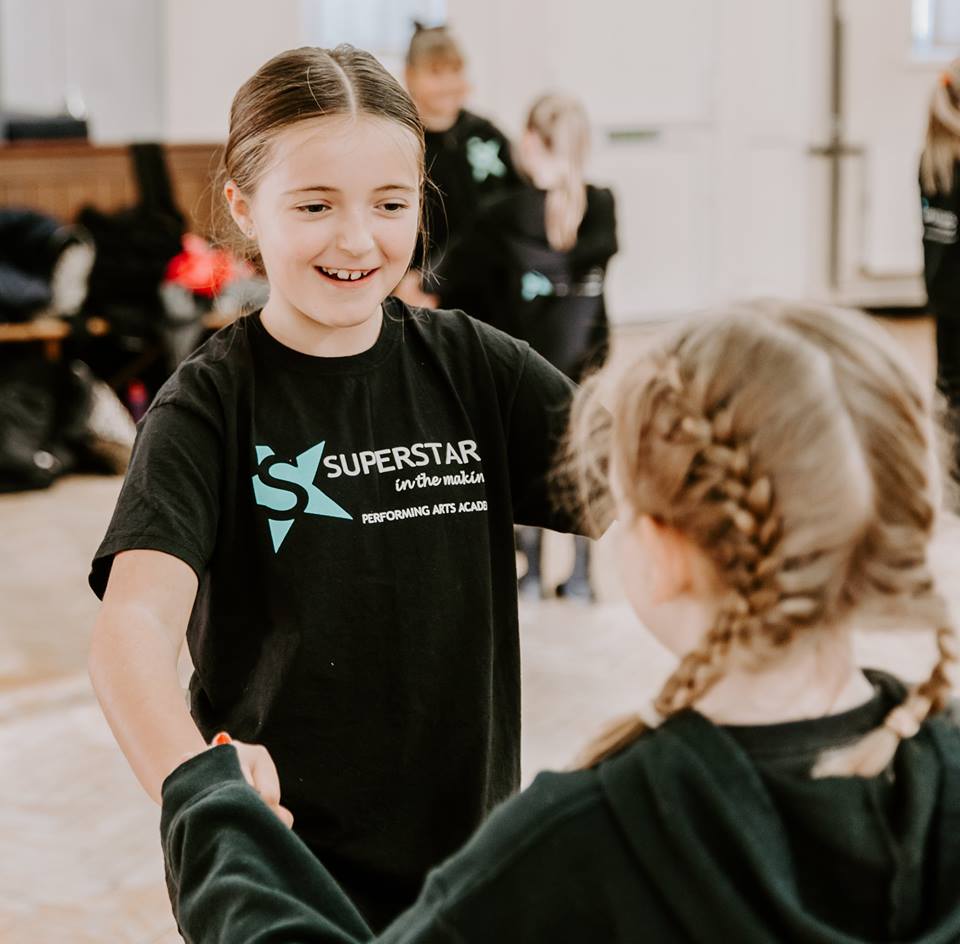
(323, 497)
(773, 474)
(467, 158)
(940, 206)
(539, 253)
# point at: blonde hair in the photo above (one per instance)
(561, 123)
(941, 150)
(794, 447)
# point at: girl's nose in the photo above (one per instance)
(354, 237)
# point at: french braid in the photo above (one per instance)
(792, 445)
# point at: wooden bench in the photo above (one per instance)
(60, 178)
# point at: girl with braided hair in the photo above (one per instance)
(773, 473)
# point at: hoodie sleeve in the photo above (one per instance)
(236, 873)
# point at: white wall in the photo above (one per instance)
(212, 47)
(717, 195)
(887, 88)
(726, 196)
(106, 50)
(718, 192)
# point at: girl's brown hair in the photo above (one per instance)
(941, 150)
(794, 447)
(561, 123)
(433, 45)
(296, 85)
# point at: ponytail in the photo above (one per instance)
(561, 123)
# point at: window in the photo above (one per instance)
(383, 27)
(936, 26)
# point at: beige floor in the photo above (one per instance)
(79, 855)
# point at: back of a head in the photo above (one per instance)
(793, 446)
(561, 123)
(941, 149)
(303, 84)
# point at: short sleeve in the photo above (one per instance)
(170, 498)
(537, 423)
(597, 238)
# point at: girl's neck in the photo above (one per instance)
(298, 331)
(437, 121)
(814, 676)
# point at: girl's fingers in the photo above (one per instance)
(260, 772)
(266, 781)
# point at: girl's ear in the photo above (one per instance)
(669, 555)
(239, 209)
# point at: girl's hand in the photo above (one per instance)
(260, 772)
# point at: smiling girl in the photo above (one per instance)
(371, 650)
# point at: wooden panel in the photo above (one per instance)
(59, 179)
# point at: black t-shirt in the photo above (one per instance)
(552, 299)
(468, 164)
(350, 520)
(941, 248)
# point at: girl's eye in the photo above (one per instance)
(393, 207)
(313, 208)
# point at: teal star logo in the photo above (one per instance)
(287, 490)
(484, 158)
(534, 284)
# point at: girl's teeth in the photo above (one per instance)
(343, 274)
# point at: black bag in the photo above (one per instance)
(134, 247)
(53, 420)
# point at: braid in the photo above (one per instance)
(872, 753)
(792, 446)
(722, 482)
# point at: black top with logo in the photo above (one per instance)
(516, 281)
(350, 520)
(467, 164)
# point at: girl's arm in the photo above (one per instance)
(235, 874)
(597, 240)
(133, 667)
(133, 662)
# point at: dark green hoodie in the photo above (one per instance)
(695, 833)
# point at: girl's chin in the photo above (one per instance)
(354, 317)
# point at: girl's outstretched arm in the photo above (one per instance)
(133, 662)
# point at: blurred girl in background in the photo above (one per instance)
(538, 253)
(467, 157)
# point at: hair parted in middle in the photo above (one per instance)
(298, 85)
(793, 446)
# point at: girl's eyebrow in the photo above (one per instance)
(321, 189)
